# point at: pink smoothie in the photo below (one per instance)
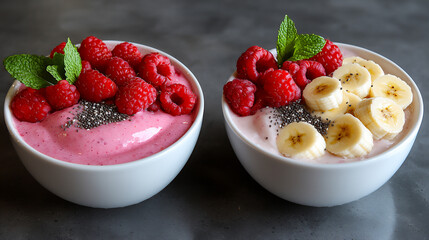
(144, 134)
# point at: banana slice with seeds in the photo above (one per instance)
(300, 140)
(354, 59)
(353, 101)
(373, 68)
(332, 114)
(354, 78)
(382, 116)
(323, 93)
(394, 88)
(348, 137)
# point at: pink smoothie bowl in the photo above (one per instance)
(325, 185)
(110, 186)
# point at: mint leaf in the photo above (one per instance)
(53, 70)
(58, 60)
(285, 40)
(30, 70)
(72, 62)
(306, 46)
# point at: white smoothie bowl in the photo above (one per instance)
(323, 185)
(110, 186)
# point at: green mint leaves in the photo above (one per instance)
(72, 62)
(29, 69)
(40, 71)
(286, 40)
(293, 46)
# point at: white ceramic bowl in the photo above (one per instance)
(317, 184)
(113, 185)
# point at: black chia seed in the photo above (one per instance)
(93, 115)
(296, 112)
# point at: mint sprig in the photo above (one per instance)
(72, 62)
(40, 71)
(30, 70)
(292, 46)
(286, 40)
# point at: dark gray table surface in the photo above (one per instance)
(213, 197)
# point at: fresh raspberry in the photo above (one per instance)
(62, 95)
(129, 52)
(177, 99)
(120, 71)
(86, 66)
(330, 57)
(279, 87)
(259, 102)
(95, 87)
(304, 71)
(156, 69)
(155, 106)
(135, 96)
(253, 62)
(240, 96)
(95, 52)
(58, 49)
(29, 105)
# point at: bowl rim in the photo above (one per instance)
(329, 166)
(13, 132)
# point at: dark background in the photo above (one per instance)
(213, 197)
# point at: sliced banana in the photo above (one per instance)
(394, 88)
(382, 116)
(354, 59)
(373, 68)
(300, 140)
(348, 137)
(353, 101)
(332, 114)
(354, 78)
(323, 93)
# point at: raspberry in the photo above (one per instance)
(304, 71)
(155, 106)
(62, 95)
(259, 102)
(135, 96)
(279, 88)
(95, 52)
(330, 57)
(253, 62)
(120, 71)
(129, 52)
(95, 87)
(58, 49)
(86, 66)
(156, 69)
(177, 99)
(240, 96)
(29, 105)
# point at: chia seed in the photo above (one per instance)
(93, 115)
(296, 112)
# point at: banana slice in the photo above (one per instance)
(348, 137)
(373, 68)
(300, 140)
(394, 88)
(352, 103)
(354, 78)
(382, 116)
(354, 59)
(330, 115)
(323, 93)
